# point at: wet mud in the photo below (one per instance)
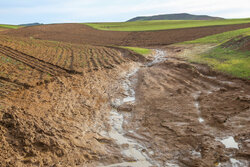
(184, 115)
(166, 112)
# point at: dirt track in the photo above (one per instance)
(81, 34)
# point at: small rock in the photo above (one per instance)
(223, 89)
(243, 98)
(125, 108)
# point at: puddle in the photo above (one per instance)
(211, 77)
(196, 154)
(227, 82)
(128, 99)
(197, 106)
(133, 149)
(168, 164)
(230, 142)
(159, 57)
(130, 147)
(235, 162)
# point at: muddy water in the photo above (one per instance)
(160, 56)
(197, 106)
(131, 148)
(134, 151)
(230, 142)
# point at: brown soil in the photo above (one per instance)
(27, 63)
(58, 123)
(62, 122)
(4, 29)
(81, 34)
(167, 119)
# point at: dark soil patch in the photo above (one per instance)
(82, 34)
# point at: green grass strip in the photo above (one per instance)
(142, 51)
(220, 38)
(9, 26)
(162, 24)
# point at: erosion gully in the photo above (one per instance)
(134, 149)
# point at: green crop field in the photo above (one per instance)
(227, 59)
(9, 26)
(142, 51)
(162, 24)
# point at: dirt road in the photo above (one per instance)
(177, 114)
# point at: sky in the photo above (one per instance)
(68, 11)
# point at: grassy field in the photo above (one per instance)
(232, 61)
(142, 51)
(220, 38)
(162, 24)
(9, 26)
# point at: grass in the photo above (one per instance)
(142, 51)
(162, 24)
(228, 60)
(9, 26)
(233, 62)
(220, 38)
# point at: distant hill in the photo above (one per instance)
(178, 16)
(31, 24)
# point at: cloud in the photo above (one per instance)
(48, 11)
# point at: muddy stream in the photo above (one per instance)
(137, 153)
(134, 150)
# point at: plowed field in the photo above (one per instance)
(82, 34)
(28, 62)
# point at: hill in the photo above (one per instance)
(31, 24)
(178, 16)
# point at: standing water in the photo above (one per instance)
(133, 149)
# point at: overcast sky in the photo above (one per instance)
(59, 11)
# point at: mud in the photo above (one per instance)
(166, 113)
(186, 116)
(59, 123)
(82, 34)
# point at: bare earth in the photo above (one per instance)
(82, 34)
(182, 113)
(142, 112)
(166, 112)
